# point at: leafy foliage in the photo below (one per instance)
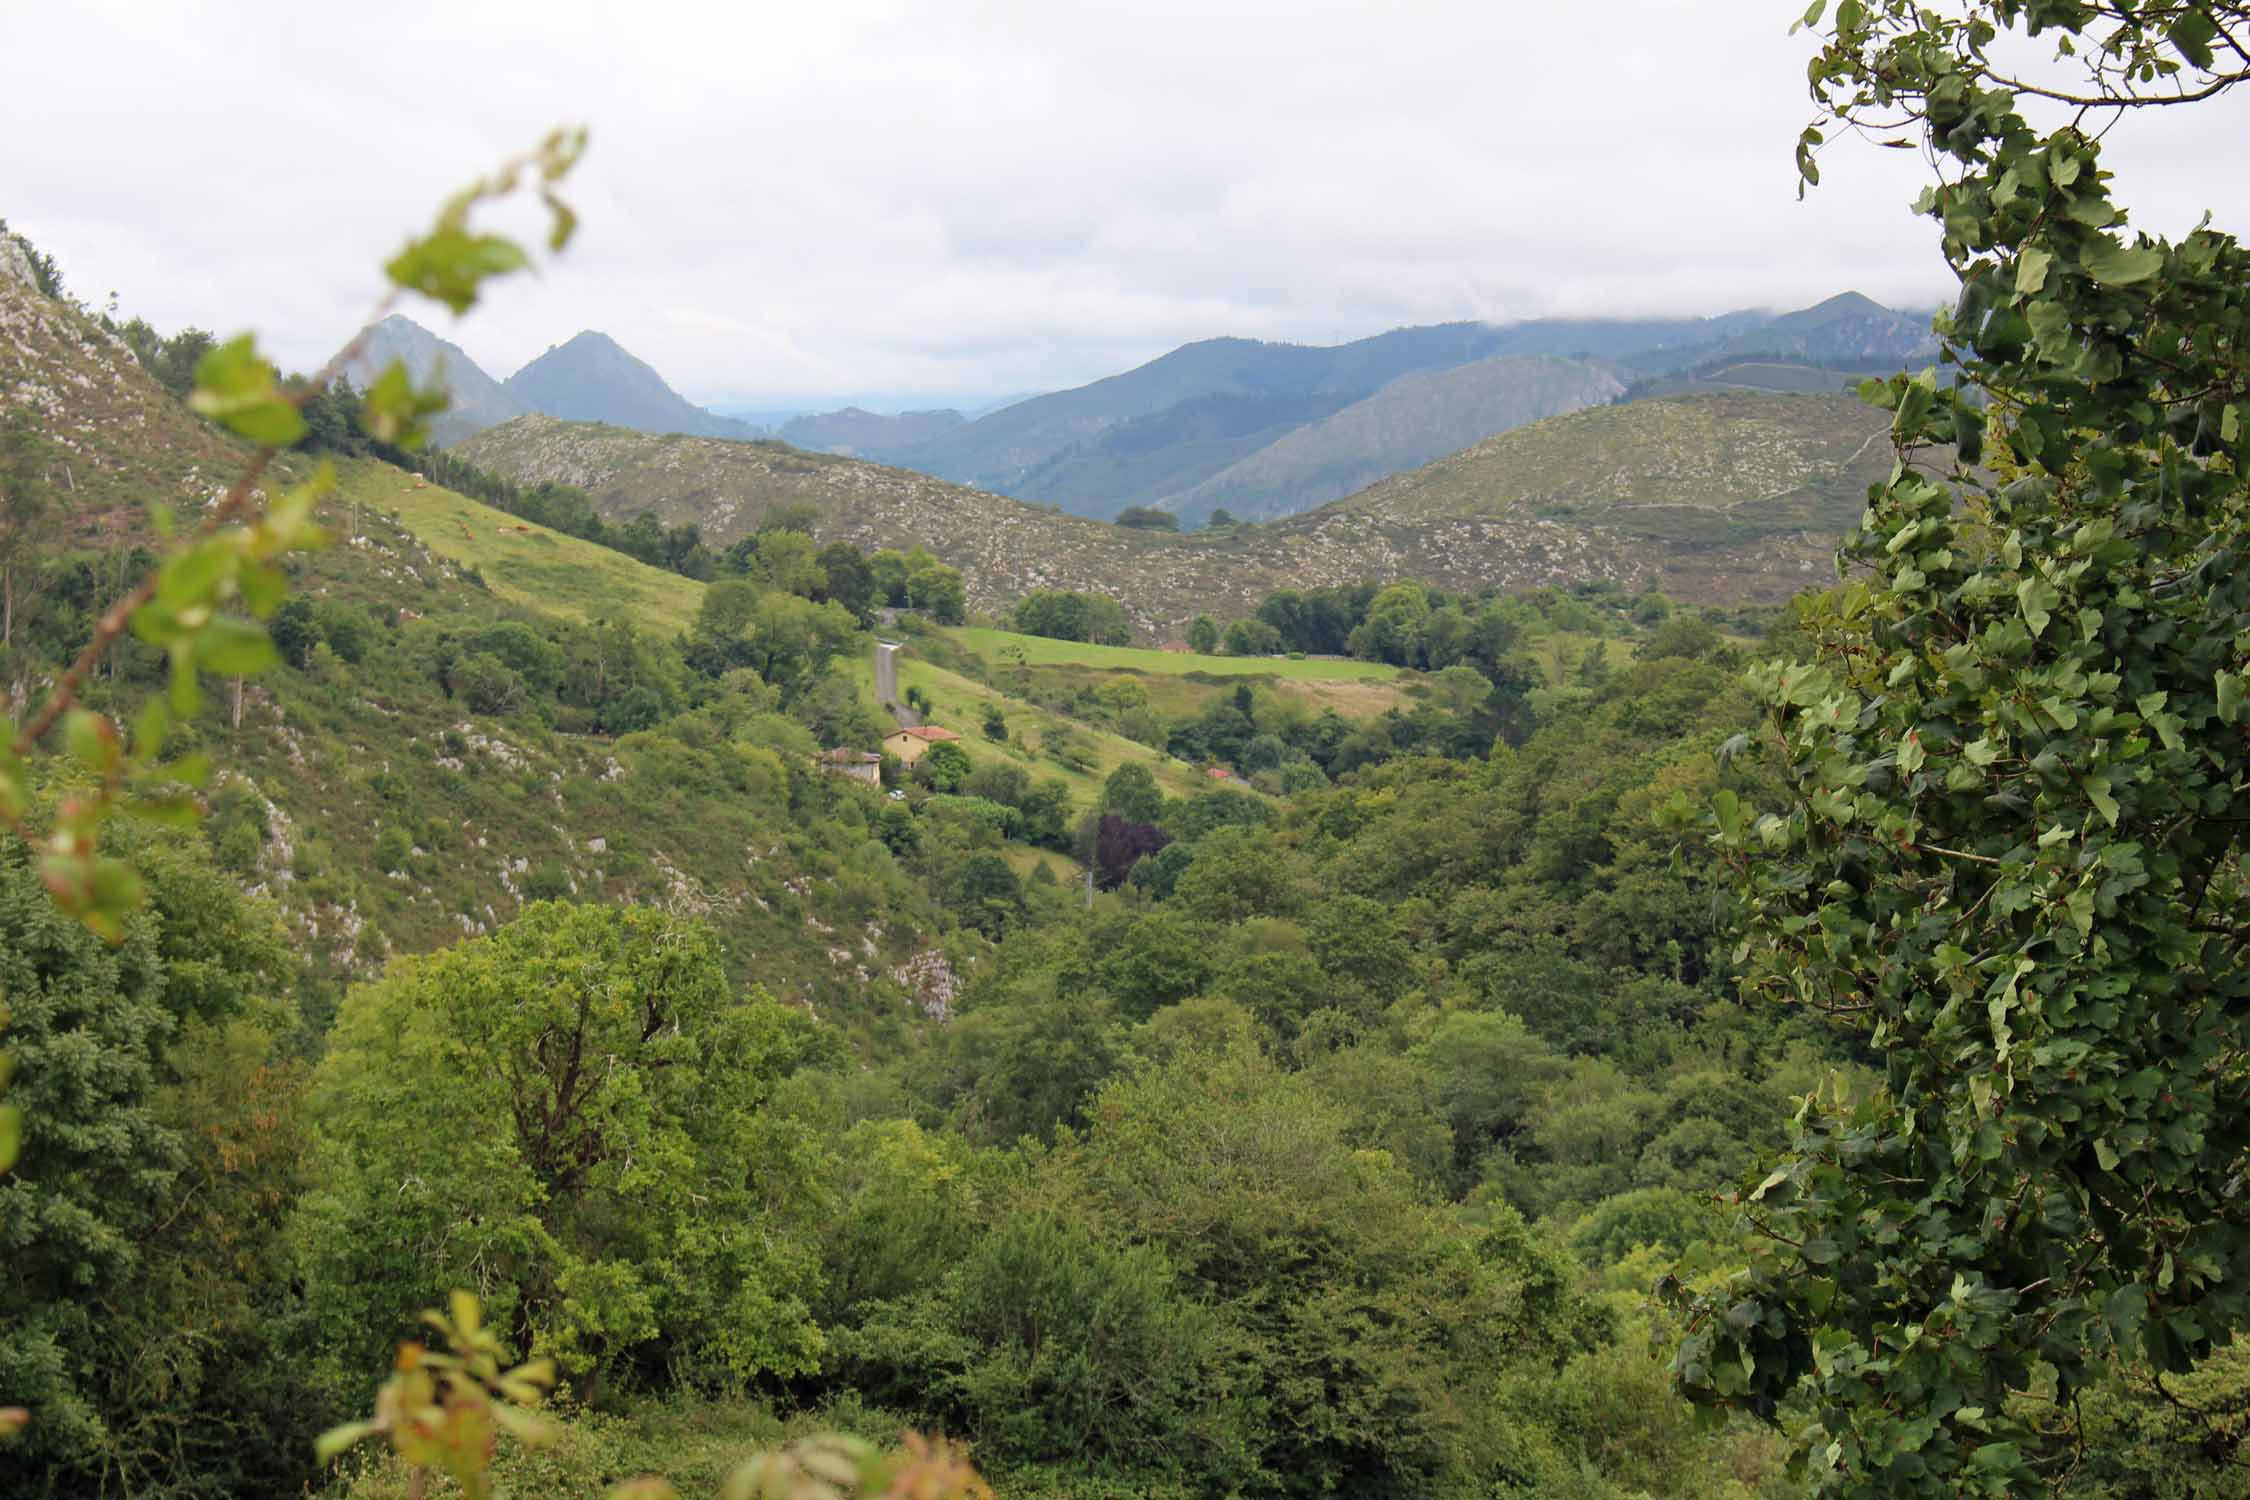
(606, 1134)
(2006, 857)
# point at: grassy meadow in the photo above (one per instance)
(957, 703)
(525, 564)
(1004, 647)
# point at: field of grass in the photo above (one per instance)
(525, 564)
(1005, 647)
(957, 703)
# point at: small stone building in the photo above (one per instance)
(859, 765)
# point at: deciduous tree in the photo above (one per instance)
(2008, 851)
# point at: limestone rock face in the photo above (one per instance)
(15, 262)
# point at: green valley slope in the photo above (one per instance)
(325, 766)
(1721, 498)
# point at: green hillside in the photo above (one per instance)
(1039, 650)
(524, 564)
(1718, 498)
(1722, 499)
(958, 703)
(383, 810)
(1414, 419)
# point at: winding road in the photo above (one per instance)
(886, 685)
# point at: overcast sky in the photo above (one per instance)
(833, 198)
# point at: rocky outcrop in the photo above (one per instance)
(15, 262)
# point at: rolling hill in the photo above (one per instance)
(855, 432)
(1411, 421)
(1724, 494)
(1724, 497)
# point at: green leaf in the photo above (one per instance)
(451, 265)
(235, 647)
(149, 729)
(186, 687)
(2037, 597)
(2229, 686)
(2097, 791)
(1997, 1458)
(2031, 270)
(565, 222)
(11, 1136)
(192, 577)
(394, 409)
(2191, 36)
(263, 589)
(237, 388)
(2112, 264)
(338, 1440)
(1914, 406)
(92, 740)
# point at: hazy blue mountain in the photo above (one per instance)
(856, 432)
(1103, 446)
(997, 403)
(479, 401)
(593, 379)
(1846, 331)
(1144, 460)
(1409, 422)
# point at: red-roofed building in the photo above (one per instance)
(913, 742)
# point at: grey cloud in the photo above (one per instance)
(788, 201)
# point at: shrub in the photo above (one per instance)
(393, 846)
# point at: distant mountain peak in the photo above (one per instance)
(479, 401)
(593, 378)
(1847, 304)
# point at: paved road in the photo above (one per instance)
(886, 685)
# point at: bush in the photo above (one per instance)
(488, 684)
(1049, 1344)
(393, 846)
(548, 881)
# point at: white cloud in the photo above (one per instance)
(795, 201)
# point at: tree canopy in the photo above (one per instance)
(2001, 849)
(573, 1117)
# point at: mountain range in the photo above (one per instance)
(1257, 430)
(592, 378)
(1264, 429)
(1722, 496)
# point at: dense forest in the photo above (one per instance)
(1656, 1052)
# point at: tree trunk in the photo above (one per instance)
(235, 718)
